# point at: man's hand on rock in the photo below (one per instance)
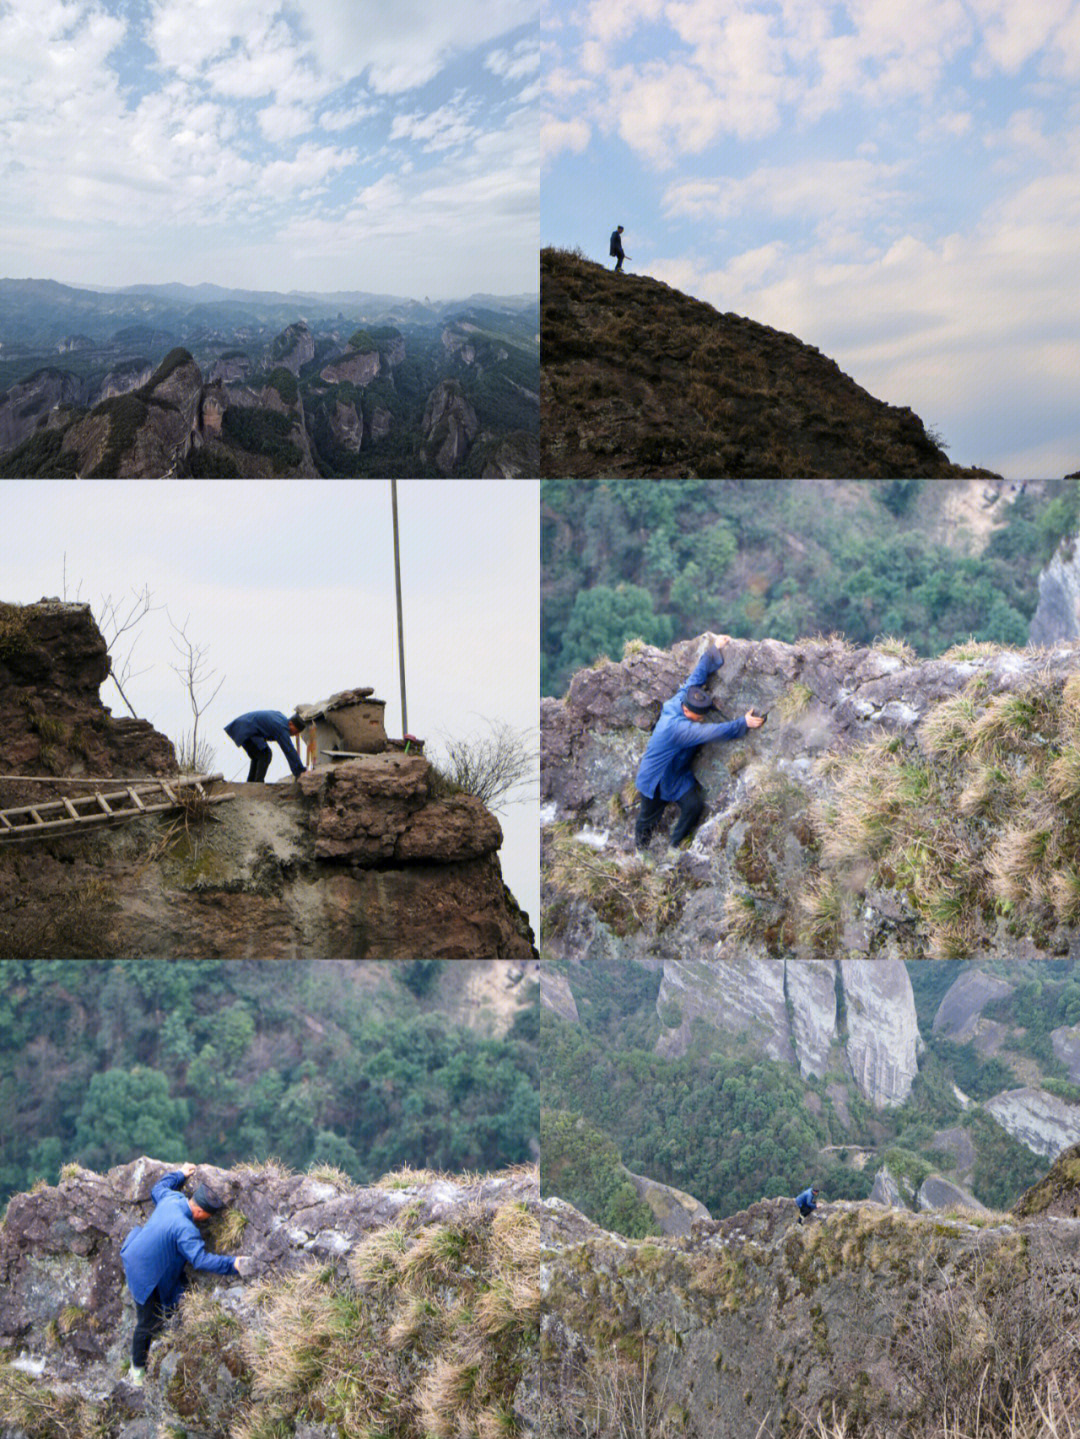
(754, 721)
(245, 1265)
(719, 641)
(188, 1170)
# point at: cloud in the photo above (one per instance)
(825, 193)
(443, 129)
(523, 60)
(559, 135)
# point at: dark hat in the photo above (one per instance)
(698, 699)
(297, 722)
(206, 1199)
(619, 228)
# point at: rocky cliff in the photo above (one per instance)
(890, 808)
(640, 380)
(1057, 616)
(872, 1320)
(409, 1307)
(372, 860)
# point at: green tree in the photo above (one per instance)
(604, 618)
(127, 1113)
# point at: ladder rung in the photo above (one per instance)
(72, 811)
(103, 802)
(136, 800)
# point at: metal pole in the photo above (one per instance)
(400, 627)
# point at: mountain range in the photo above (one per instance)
(264, 384)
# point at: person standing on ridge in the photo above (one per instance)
(664, 774)
(251, 732)
(154, 1255)
(616, 248)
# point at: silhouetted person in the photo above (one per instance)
(616, 248)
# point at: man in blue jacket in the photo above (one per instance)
(807, 1202)
(251, 732)
(155, 1254)
(664, 774)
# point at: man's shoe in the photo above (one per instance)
(136, 1377)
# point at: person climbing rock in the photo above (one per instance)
(616, 249)
(154, 1255)
(807, 1202)
(251, 732)
(664, 775)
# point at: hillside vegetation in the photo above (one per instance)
(730, 1126)
(363, 1067)
(931, 563)
(641, 380)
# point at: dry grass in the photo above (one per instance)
(896, 647)
(427, 1336)
(625, 896)
(981, 823)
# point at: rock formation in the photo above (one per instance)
(754, 1324)
(815, 841)
(293, 348)
(368, 860)
(1057, 616)
(417, 1296)
(788, 1010)
(26, 406)
(449, 426)
(1041, 1121)
(640, 380)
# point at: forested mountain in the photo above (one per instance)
(364, 1067)
(724, 1108)
(933, 562)
(337, 385)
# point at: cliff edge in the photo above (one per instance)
(374, 859)
(405, 1308)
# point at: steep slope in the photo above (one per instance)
(372, 860)
(640, 380)
(889, 808)
(405, 1309)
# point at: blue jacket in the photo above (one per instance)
(615, 248)
(154, 1255)
(665, 766)
(261, 725)
(806, 1200)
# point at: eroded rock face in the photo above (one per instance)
(754, 1321)
(674, 1211)
(938, 1193)
(1045, 1124)
(449, 426)
(26, 405)
(556, 995)
(357, 368)
(883, 1031)
(293, 348)
(53, 660)
(66, 1316)
(1057, 615)
(811, 988)
(959, 1011)
(365, 861)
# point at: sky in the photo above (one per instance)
(289, 586)
(318, 145)
(898, 185)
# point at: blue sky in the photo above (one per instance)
(290, 587)
(319, 144)
(898, 185)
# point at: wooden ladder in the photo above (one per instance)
(72, 814)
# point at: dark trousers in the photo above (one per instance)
(260, 760)
(650, 810)
(618, 262)
(149, 1320)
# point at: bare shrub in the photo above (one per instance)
(491, 766)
